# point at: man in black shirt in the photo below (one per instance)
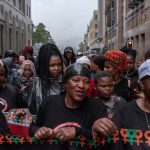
(131, 73)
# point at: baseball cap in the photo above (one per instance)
(68, 49)
(144, 69)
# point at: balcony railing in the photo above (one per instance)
(135, 3)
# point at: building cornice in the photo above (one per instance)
(11, 5)
(137, 10)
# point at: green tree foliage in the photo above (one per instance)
(41, 35)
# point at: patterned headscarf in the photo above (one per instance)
(117, 58)
(30, 63)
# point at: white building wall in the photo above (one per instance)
(15, 25)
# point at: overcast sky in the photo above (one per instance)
(66, 20)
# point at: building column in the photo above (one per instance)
(136, 46)
(147, 36)
(6, 33)
(14, 34)
(142, 45)
(0, 39)
(106, 24)
(120, 24)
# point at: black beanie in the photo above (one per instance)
(99, 61)
(75, 70)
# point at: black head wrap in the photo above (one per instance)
(75, 70)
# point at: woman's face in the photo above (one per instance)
(109, 68)
(77, 87)
(55, 66)
(27, 72)
(2, 75)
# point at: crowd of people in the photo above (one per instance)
(72, 96)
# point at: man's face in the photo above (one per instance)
(77, 87)
(16, 60)
(130, 63)
(104, 88)
(69, 55)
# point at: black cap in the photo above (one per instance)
(75, 70)
(9, 53)
(68, 49)
(129, 51)
(99, 61)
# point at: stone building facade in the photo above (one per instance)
(101, 22)
(113, 24)
(91, 37)
(127, 19)
(137, 25)
(15, 25)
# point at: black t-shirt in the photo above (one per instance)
(7, 99)
(120, 89)
(10, 98)
(134, 85)
(3, 124)
(131, 117)
(54, 113)
(3, 129)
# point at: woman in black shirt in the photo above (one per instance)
(73, 114)
(136, 115)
